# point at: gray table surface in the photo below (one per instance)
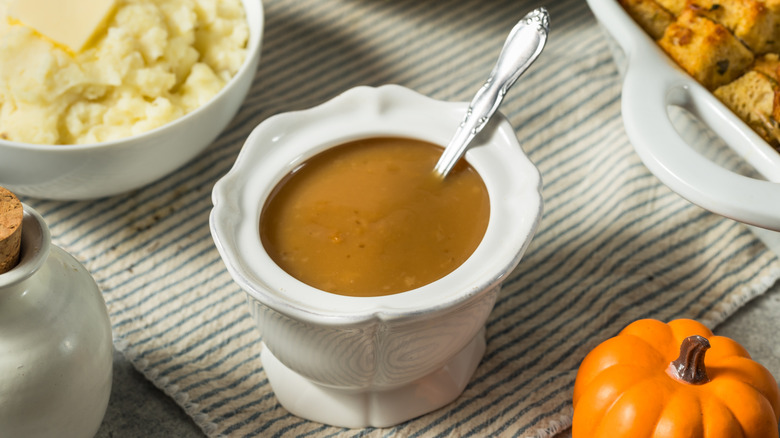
(139, 409)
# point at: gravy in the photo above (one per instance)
(369, 218)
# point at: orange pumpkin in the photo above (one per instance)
(653, 380)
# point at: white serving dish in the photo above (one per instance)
(108, 168)
(652, 85)
(372, 361)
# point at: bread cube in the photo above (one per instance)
(755, 22)
(705, 49)
(676, 7)
(752, 97)
(650, 16)
(769, 65)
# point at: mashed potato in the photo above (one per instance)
(156, 61)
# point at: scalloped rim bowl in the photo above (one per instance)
(282, 142)
(96, 170)
(652, 83)
(361, 361)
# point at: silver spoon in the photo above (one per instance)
(523, 45)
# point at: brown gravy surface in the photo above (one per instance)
(368, 218)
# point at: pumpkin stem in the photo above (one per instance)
(689, 367)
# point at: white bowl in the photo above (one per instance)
(652, 84)
(108, 168)
(365, 361)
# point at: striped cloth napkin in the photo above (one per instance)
(614, 244)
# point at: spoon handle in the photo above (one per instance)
(523, 45)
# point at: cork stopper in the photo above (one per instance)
(10, 229)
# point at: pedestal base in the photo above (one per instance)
(352, 409)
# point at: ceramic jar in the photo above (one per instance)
(372, 361)
(56, 352)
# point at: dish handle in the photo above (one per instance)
(648, 92)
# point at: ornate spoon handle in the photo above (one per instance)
(523, 45)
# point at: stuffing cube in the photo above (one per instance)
(676, 7)
(755, 22)
(650, 16)
(705, 49)
(769, 65)
(752, 98)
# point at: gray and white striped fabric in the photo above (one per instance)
(614, 243)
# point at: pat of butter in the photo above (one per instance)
(70, 23)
